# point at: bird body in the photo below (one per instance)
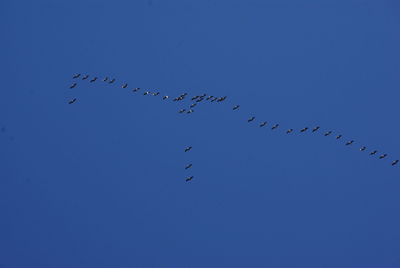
(85, 77)
(236, 107)
(363, 148)
(338, 137)
(188, 148)
(188, 166)
(146, 93)
(263, 124)
(395, 162)
(72, 101)
(328, 133)
(105, 79)
(315, 129)
(189, 178)
(251, 119)
(165, 97)
(349, 142)
(304, 129)
(93, 80)
(373, 152)
(382, 156)
(289, 131)
(112, 81)
(73, 85)
(182, 111)
(190, 111)
(275, 126)
(76, 76)
(136, 89)
(125, 85)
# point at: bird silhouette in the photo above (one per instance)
(72, 101)
(85, 77)
(112, 81)
(373, 152)
(188, 166)
(236, 107)
(136, 89)
(338, 137)
(190, 111)
(275, 126)
(181, 111)
(73, 85)
(188, 148)
(363, 148)
(146, 93)
(156, 93)
(76, 76)
(165, 97)
(189, 178)
(125, 85)
(382, 156)
(105, 79)
(315, 129)
(263, 124)
(251, 119)
(349, 142)
(395, 162)
(328, 133)
(290, 130)
(93, 80)
(304, 129)
(193, 105)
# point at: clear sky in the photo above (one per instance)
(101, 182)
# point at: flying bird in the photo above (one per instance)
(349, 142)
(73, 85)
(328, 133)
(189, 178)
(112, 81)
(195, 97)
(304, 129)
(289, 131)
(93, 80)
(236, 107)
(105, 79)
(251, 119)
(182, 111)
(338, 137)
(188, 166)
(76, 76)
(315, 129)
(188, 148)
(136, 89)
(275, 126)
(193, 105)
(363, 148)
(382, 156)
(165, 97)
(85, 77)
(72, 101)
(190, 111)
(156, 94)
(395, 162)
(200, 99)
(146, 93)
(263, 123)
(125, 85)
(373, 152)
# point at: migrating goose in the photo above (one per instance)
(338, 137)
(263, 123)
(193, 105)
(315, 129)
(125, 85)
(328, 133)
(182, 111)
(73, 85)
(304, 129)
(395, 162)
(189, 178)
(222, 98)
(188, 148)
(290, 130)
(146, 93)
(200, 99)
(275, 126)
(190, 111)
(363, 148)
(105, 79)
(85, 77)
(195, 97)
(93, 80)
(136, 89)
(251, 119)
(236, 107)
(188, 166)
(382, 156)
(349, 142)
(76, 76)
(165, 97)
(72, 101)
(112, 81)
(373, 152)
(156, 94)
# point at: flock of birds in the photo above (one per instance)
(195, 100)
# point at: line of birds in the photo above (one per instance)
(199, 98)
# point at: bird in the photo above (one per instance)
(263, 124)
(395, 162)
(112, 81)
(93, 79)
(188, 148)
(251, 119)
(125, 85)
(214, 99)
(200, 99)
(373, 152)
(275, 126)
(105, 79)
(315, 129)
(189, 178)
(209, 97)
(165, 97)
(76, 76)
(136, 89)
(73, 85)
(290, 130)
(236, 107)
(193, 105)
(304, 129)
(382, 156)
(338, 137)
(188, 166)
(146, 93)
(349, 142)
(195, 97)
(363, 148)
(182, 111)
(328, 133)
(222, 98)
(190, 111)
(72, 101)
(85, 77)
(156, 93)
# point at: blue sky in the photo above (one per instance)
(100, 183)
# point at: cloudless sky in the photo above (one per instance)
(101, 183)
